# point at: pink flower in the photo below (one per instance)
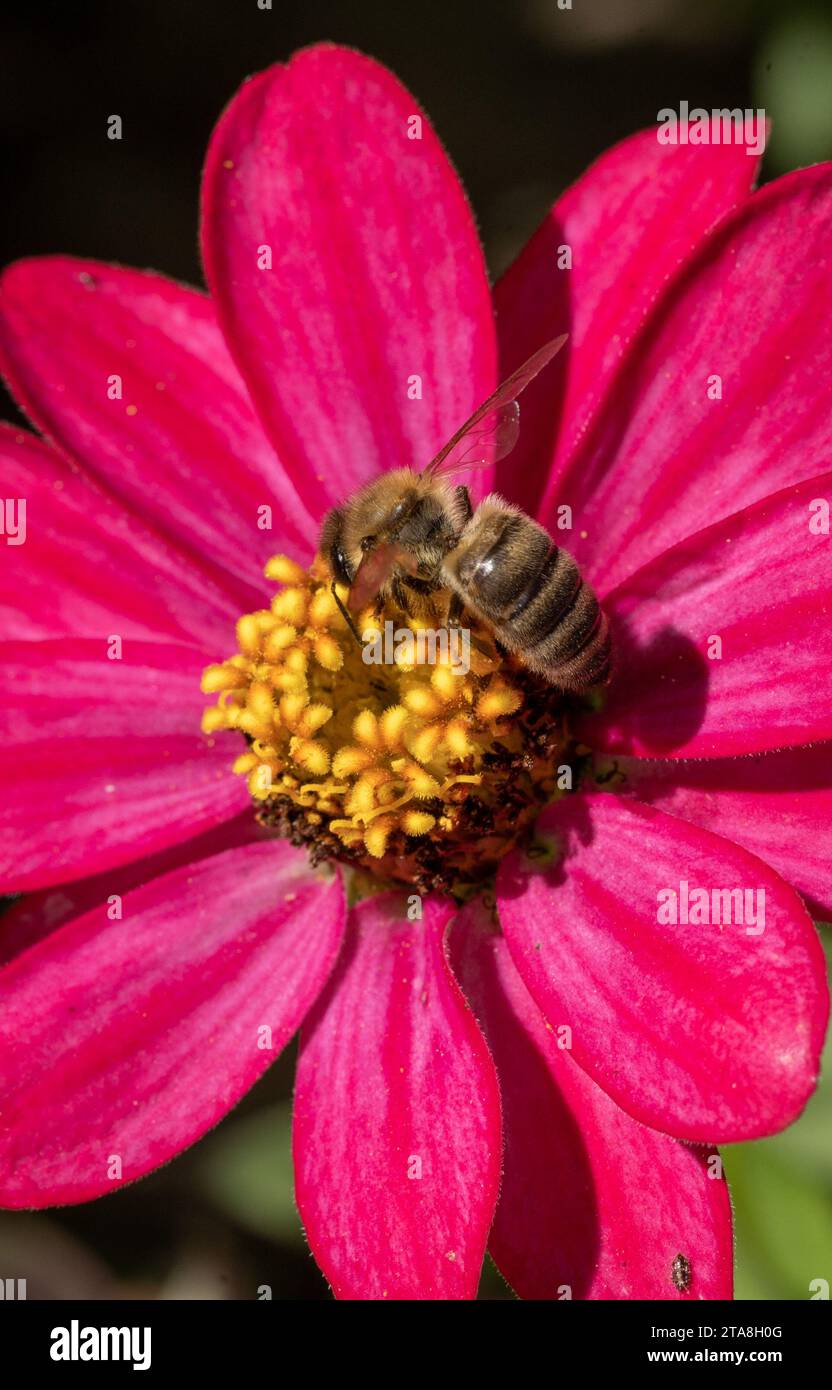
(167, 949)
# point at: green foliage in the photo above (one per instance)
(246, 1171)
(782, 1194)
(793, 82)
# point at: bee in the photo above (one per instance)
(406, 535)
(680, 1273)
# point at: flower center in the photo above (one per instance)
(410, 754)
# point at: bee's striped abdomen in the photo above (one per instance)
(508, 569)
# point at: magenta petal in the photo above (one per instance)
(778, 806)
(628, 222)
(129, 1039)
(723, 645)
(592, 1204)
(667, 455)
(709, 1032)
(88, 567)
(376, 280)
(36, 915)
(397, 1116)
(182, 445)
(103, 760)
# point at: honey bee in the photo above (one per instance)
(406, 535)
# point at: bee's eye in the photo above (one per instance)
(367, 543)
(340, 565)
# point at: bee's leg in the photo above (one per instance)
(399, 594)
(456, 606)
(455, 610)
(345, 614)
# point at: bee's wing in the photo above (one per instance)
(492, 430)
(375, 569)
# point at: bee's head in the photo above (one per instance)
(394, 508)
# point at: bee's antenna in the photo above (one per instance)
(355, 632)
(345, 614)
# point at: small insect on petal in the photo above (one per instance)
(680, 1273)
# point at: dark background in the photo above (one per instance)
(524, 96)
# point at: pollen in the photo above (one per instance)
(422, 772)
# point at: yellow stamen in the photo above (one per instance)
(328, 653)
(284, 571)
(290, 606)
(215, 678)
(417, 822)
(375, 761)
(213, 718)
(281, 637)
